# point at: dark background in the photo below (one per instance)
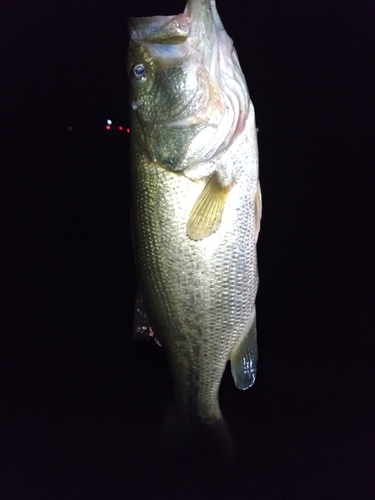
(82, 407)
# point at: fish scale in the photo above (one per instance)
(199, 301)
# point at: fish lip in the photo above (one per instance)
(144, 28)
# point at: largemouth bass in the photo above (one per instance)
(196, 203)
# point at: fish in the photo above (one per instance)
(196, 205)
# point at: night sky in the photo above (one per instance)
(84, 405)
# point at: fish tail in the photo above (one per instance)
(207, 440)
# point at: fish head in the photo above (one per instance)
(177, 66)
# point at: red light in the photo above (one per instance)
(108, 127)
(128, 130)
(121, 128)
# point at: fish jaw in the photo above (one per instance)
(187, 40)
(195, 25)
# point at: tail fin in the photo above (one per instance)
(211, 441)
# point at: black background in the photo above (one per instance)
(84, 407)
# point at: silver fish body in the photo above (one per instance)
(196, 202)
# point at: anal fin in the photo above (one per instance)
(206, 215)
(243, 359)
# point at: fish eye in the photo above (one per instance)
(139, 72)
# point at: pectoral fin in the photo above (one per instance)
(243, 360)
(207, 212)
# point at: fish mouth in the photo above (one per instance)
(197, 37)
(191, 37)
(195, 25)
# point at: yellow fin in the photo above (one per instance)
(207, 212)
